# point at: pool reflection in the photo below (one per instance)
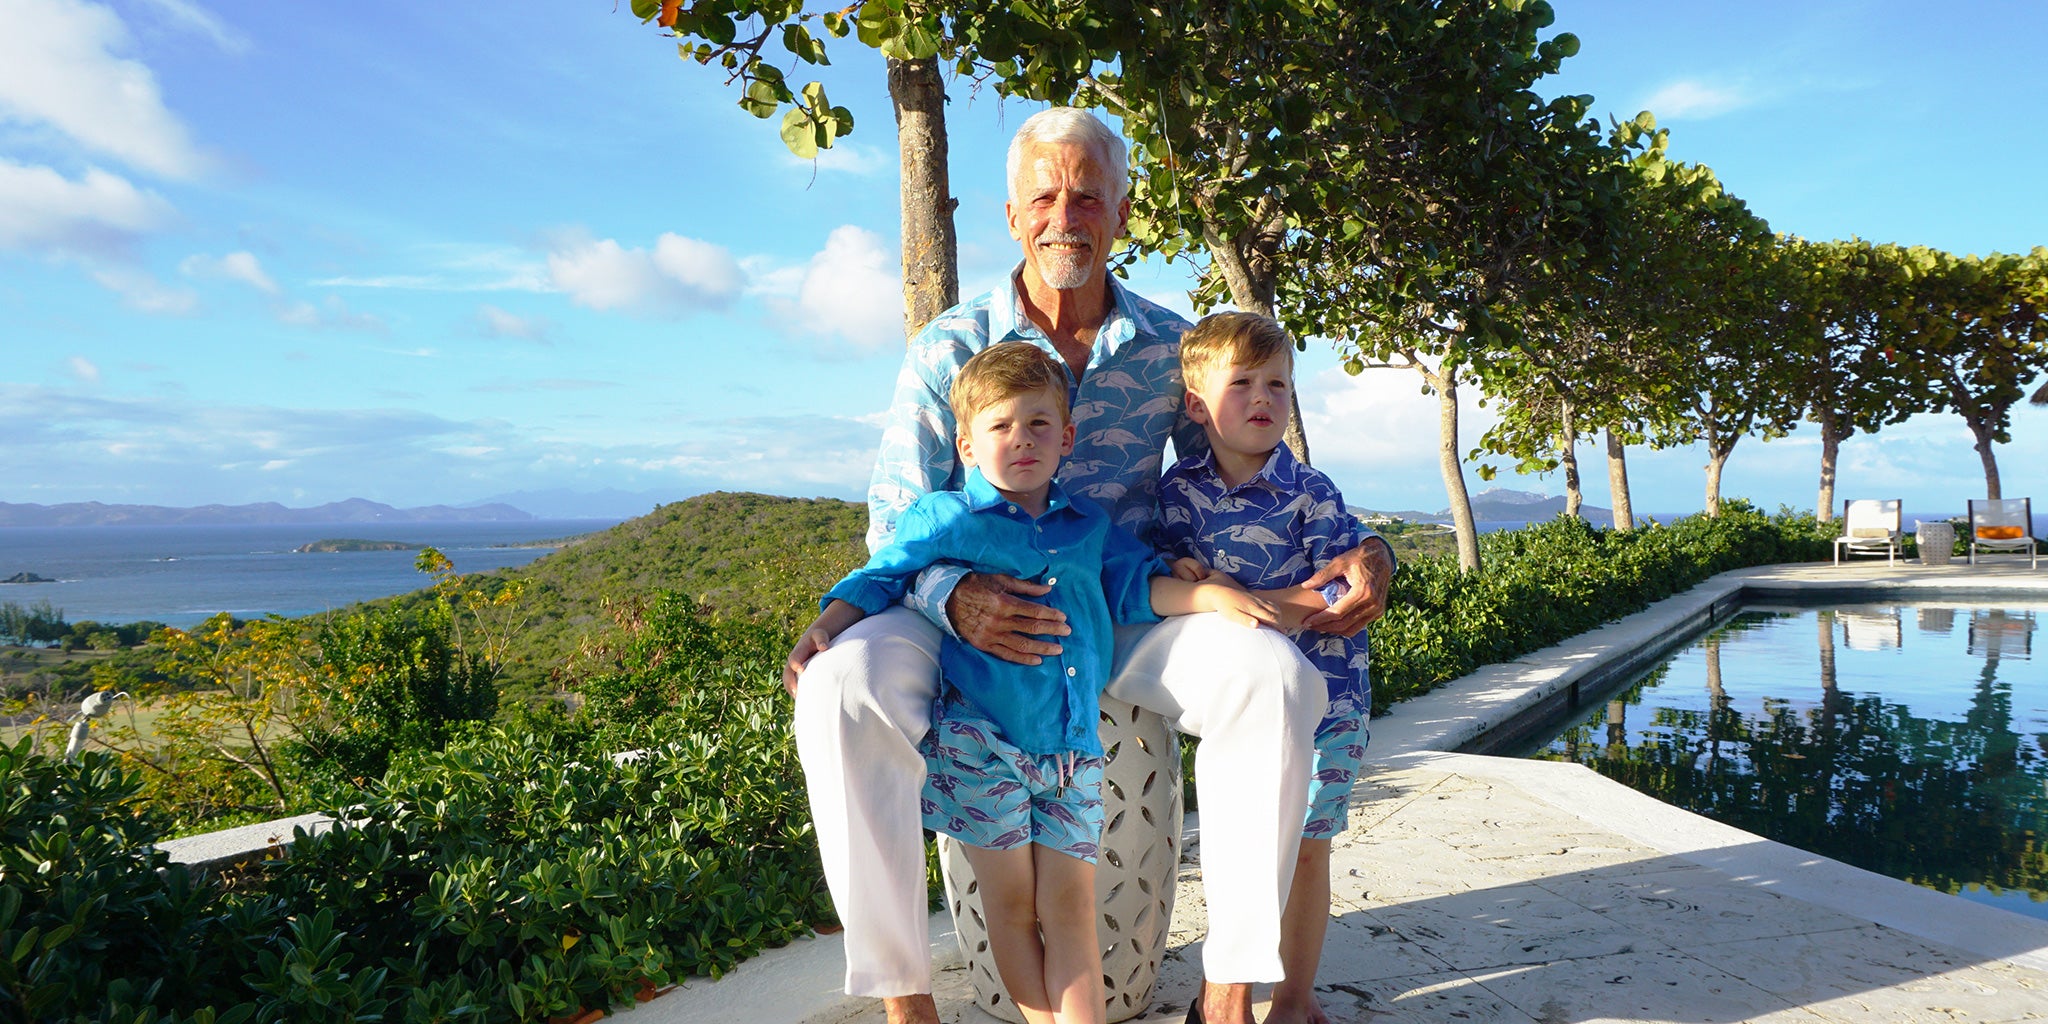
(1891, 743)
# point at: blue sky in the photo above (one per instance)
(299, 253)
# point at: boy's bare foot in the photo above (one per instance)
(1286, 1011)
(1226, 1004)
(912, 1009)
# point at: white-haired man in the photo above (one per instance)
(863, 704)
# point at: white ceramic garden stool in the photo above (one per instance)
(1134, 871)
(1937, 542)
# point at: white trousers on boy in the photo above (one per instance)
(863, 705)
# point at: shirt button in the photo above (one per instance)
(1070, 672)
(1053, 551)
(1013, 508)
(1051, 580)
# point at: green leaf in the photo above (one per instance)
(798, 134)
(761, 99)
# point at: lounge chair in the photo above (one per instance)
(2003, 524)
(1871, 525)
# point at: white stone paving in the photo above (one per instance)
(1481, 889)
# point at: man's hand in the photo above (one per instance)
(1369, 568)
(986, 612)
(807, 647)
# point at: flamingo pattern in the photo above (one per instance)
(984, 791)
(1126, 406)
(1276, 530)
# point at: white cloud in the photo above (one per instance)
(84, 369)
(100, 212)
(235, 266)
(498, 323)
(194, 18)
(333, 314)
(1696, 99)
(58, 69)
(142, 292)
(846, 157)
(678, 275)
(851, 289)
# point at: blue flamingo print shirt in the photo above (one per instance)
(1274, 530)
(1100, 576)
(1125, 405)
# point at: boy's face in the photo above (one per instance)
(1018, 441)
(1244, 408)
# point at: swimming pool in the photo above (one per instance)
(1906, 739)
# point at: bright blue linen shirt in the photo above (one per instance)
(1274, 530)
(1126, 406)
(1099, 575)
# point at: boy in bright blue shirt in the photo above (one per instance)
(1251, 511)
(1015, 766)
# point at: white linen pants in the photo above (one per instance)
(863, 705)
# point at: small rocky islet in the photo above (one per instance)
(350, 544)
(27, 577)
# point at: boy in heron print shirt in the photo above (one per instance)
(1251, 511)
(1014, 763)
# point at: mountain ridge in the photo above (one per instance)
(265, 513)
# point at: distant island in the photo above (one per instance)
(1499, 505)
(269, 513)
(351, 544)
(27, 577)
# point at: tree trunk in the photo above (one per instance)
(1715, 460)
(931, 276)
(1248, 270)
(1617, 482)
(1446, 385)
(1568, 452)
(1830, 449)
(1987, 452)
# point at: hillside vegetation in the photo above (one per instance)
(738, 556)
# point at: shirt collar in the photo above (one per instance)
(1007, 322)
(983, 496)
(1282, 471)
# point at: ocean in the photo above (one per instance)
(181, 575)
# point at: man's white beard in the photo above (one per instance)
(1065, 270)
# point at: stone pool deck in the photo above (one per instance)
(1488, 889)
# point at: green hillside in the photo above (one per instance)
(753, 556)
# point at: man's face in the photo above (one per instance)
(1063, 215)
(1018, 441)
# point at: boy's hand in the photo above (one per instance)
(815, 639)
(1369, 568)
(1189, 568)
(1239, 606)
(987, 613)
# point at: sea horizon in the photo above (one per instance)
(181, 575)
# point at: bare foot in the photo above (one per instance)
(912, 1009)
(1226, 1004)
(1288, 1011)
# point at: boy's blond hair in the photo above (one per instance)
(1003, 371)
(1223, 340)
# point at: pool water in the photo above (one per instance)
(1907, 740)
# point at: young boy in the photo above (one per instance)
(1249, 510)
(1015, 766)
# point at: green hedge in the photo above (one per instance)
(519, 872)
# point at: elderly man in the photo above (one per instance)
(863, 704)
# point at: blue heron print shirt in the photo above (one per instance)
(1099, 574)
(1274, 530)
